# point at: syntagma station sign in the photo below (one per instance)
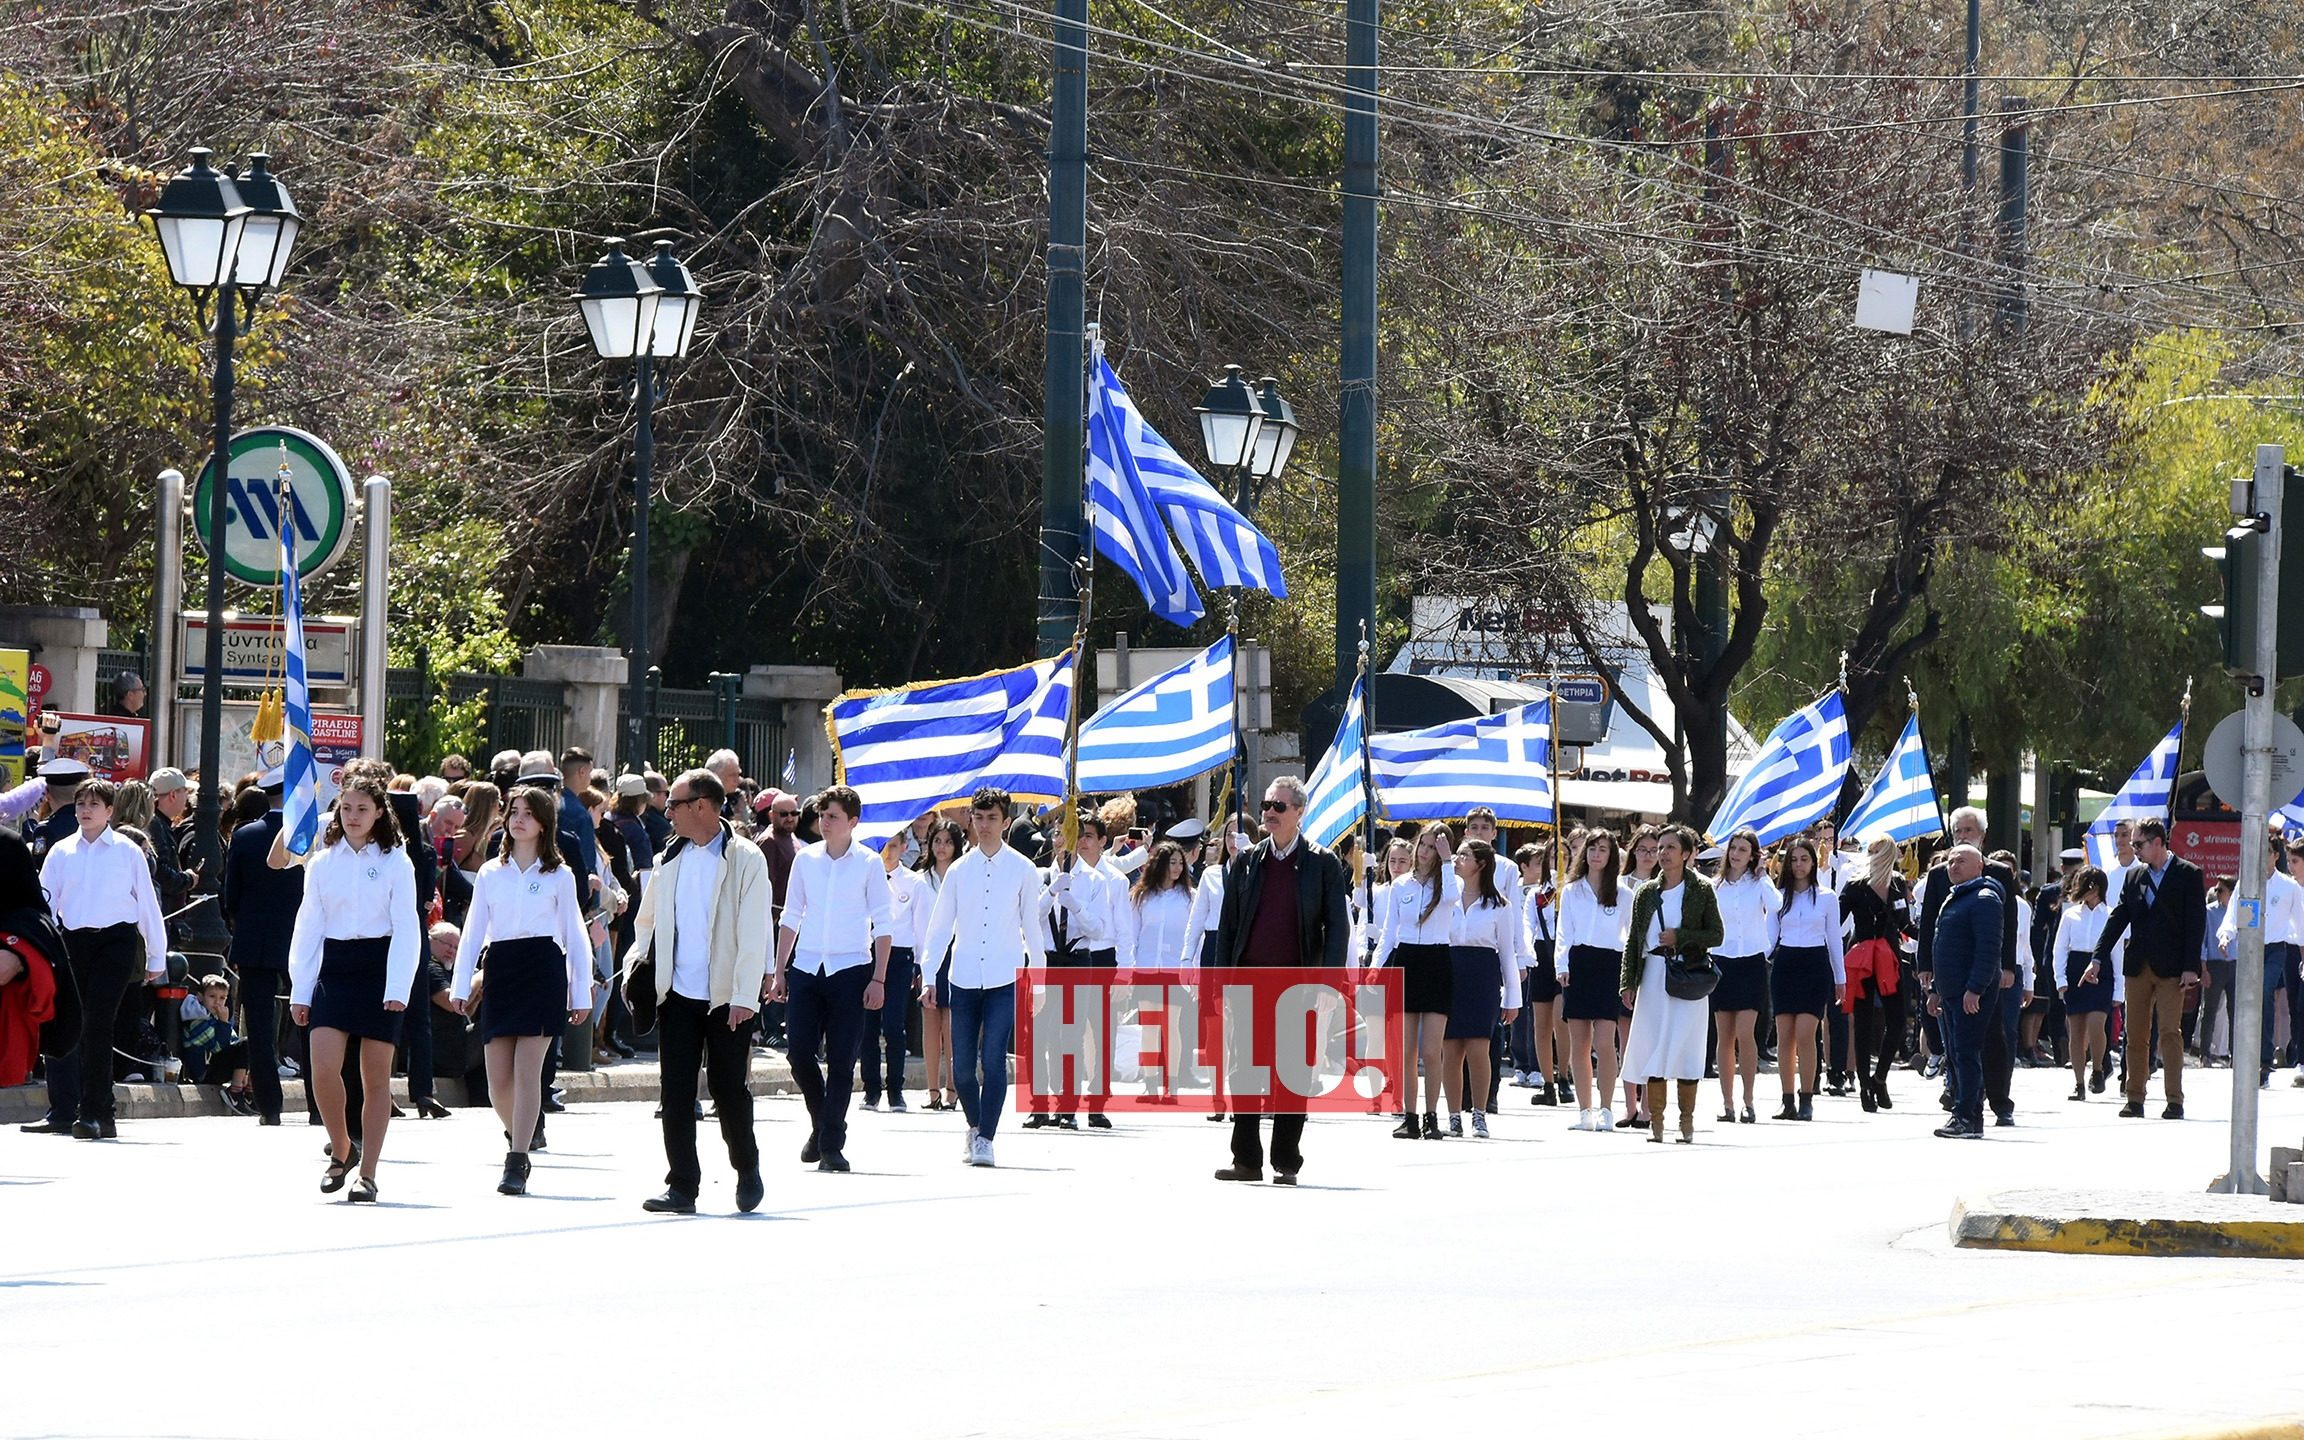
(317, 509)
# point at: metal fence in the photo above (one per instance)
(691, 724)
(515, 714)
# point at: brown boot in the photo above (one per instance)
(1687, 1112)
(1656, 1112)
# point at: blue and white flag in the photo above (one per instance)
(909, 750)
(1502, 761)
(791, 776)
(2146, 796)
(1902, 801)
(1122, 519)
(1339, 788)
(1165, 731)
(1795, 780)
(300, 796)
(1228, 551)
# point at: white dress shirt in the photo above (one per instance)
(1091, 898)
(835, 906)
(511, 903)
(694, 890)
(1490, 927)
(1208, 909)
(903, 924)
(1156, 933)
(1812, 921)
(1402, 921)
(1585, 921)
(989, 913)
(1748, 909)
(2283, 913)
(358, 894)
(927, 885)
(2078, 930)
(94, 884)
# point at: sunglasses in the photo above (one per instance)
(679, 800)
(1270, 806)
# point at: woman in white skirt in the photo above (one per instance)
(1678, 916)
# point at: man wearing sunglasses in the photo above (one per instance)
(1284, 905)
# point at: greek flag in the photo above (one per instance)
(909, 750)
(299, 799)
(1338, 788)
(1795, 780)
(1902, 801)
(1165, 731)
(1121, 516)
(1502, 761)
(791, 776)
(2147, 795)
(1228, 551)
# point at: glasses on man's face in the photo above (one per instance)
(785, 814)
(679, 800)
(1275, 806)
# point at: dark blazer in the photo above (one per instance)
(1932, 896)
(260, 902)
(1323, 909)
(2163, 931)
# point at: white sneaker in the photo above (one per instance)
(1607, 1119)
(872, 1105)
(983, 1152)
(1583, 1121)
(968, 1149)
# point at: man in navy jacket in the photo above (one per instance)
(1967, 979)
(260, 904)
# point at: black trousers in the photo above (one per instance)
(1999, 1057)
(1287, 1142)
(825, 1013)
(1879, 1028)
(260, 1022)
(1836, 1045)
(695, 1035)
(106, 962)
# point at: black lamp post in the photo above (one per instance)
(640, 312)
(223, 238)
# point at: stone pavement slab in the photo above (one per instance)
(2130, 1222)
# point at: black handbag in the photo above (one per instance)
(1691, 977)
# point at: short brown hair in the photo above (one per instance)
(851, 804)
(97, 788)
(989, 797)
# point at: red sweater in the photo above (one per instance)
(25, 1005)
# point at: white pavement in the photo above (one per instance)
(1782, 1279)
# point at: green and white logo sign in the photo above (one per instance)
(318, 510)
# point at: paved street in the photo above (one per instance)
(1793, 1280)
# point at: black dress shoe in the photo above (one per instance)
(1038, 1122)
(2004, 1119)
(623, 1050)
(833, 1163)
(1068, 1122)
(749, 1190)
(1247, 1174)
(809, 1153)
(2133, 1110)
(47, 1127)
(1959, 1130)
(671, 1202)
(1099, 1122)
(553, 1107)
(1284, 1177)
(91, 1130)
(2175, 1111)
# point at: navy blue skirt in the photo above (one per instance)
(1743, 983)
(1592, 992)
(2094, 998)
(1475, 993)
(1427, 981)
(1802, 982)
(527, 989)
(944, 983)
(1542, 984)
(349, 995)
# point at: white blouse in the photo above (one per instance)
(1585, 921)
(1401, 919)
(1207, 903)
(903, 889)
(1812, 922)
(1492, 928)
(1157, 933)
(509, 903)
(1667, 916)
(1747, 916)
(926, 884)
(357, 895)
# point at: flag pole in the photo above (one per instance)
(1368, 813)
(1068, 821)
(1552, 762)
(2183, 727)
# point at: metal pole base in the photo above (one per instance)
(2246, 1182)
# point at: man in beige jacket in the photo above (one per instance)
(705, 921)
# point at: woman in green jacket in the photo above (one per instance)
(1674, 915)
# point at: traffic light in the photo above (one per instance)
(2236, 566)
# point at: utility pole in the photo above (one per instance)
(1356, 407)
(1063, 453)
(2262, 513)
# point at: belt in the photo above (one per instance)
(127, 925)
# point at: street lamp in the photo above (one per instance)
(222, 238)
(1276, 437)
(1231, 418)
(641, 312)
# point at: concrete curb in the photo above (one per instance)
(631, 1080)
(2066, 1222)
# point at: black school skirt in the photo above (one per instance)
(1542, 985)
(1475, 992)
(2089, 999)
(1802, 983)
(1743, 983)
(1591, 993)
(1428, 985)
(349, 995)
(527, 989)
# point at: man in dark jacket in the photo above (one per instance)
(1998, 1059)
(1285, 905)
(2163, 910)
(260, 905)
(1966, 950)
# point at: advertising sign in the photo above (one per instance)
(115, 748)
(16, 716)
(318, 508)
(335, 744)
